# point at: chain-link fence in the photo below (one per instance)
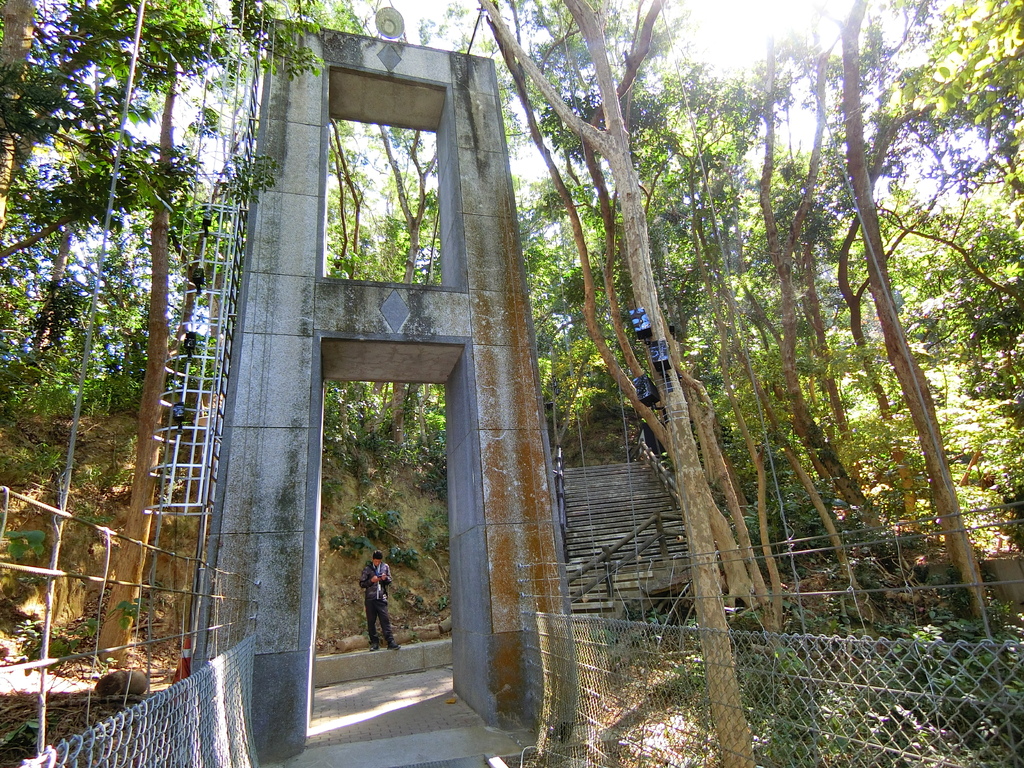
(621, 693)
(199, 722)
(54, 656)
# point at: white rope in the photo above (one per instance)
(65, 482)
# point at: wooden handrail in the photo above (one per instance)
(666, 477)
(609, 551)
(583, 590)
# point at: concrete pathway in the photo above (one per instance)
(398, 722)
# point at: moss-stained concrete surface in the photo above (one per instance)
(474, 334)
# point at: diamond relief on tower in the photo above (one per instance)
(395, 311)
(390, 56)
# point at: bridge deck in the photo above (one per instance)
(400, 721)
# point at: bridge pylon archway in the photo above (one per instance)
(473, 333)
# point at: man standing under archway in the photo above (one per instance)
(374, 580)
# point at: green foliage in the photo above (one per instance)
(64, 641)
(128, 612)
(63, 307)
(68, 642)
(382, 192)
(953, 251)
(22, 737)
(21, 544)
(974, 75)
(1014, 528)
(33, 101)
(403, 556)
(432, 466)
(246, 178)
(62, 110)
(360, 441)
(433, 530)
(351, 545)
(376, 523)
(29, 636)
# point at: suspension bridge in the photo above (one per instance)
(553, 657)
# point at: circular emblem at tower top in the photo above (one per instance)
(390, 23)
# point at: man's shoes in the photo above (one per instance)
(374, 647)
(393, 646)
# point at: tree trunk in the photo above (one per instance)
(350, 239)
(781, 252)
(775, 623)
(398, 413)
(613, 144)
(725, 316)
(48, 326)
(853, 304)
(812, 304)
(739, 583)
(19, 31)
(580, 242)
(864, 608)
(414, 223)
(129, 560)
(714, 457)
(912, 381)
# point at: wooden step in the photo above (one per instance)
(603, 505)
(621, 507)
(648, 576)
(608, 525)
(577, 539)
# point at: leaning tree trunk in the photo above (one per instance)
(820, 348)
(129, 560)
(913, 383)
(782, 252)
(853, 304)
(19, 31)
(770, 602)
(612, 143)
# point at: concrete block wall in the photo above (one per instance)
(345, 667)
(268, 511)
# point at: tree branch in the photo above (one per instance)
(572, 121)
(46, 231)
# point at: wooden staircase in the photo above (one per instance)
(624, 539)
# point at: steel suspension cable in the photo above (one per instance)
(65, 484)
(748, 369)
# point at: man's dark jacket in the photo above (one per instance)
(378, 591)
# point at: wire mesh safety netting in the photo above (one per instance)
(198, 722)
(620, 693)
(51, 662)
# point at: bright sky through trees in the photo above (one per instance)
(734, 33)
(731, 33)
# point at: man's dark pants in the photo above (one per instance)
(378, 609)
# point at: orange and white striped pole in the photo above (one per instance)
(185, 662)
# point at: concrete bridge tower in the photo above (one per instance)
(473, 333)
